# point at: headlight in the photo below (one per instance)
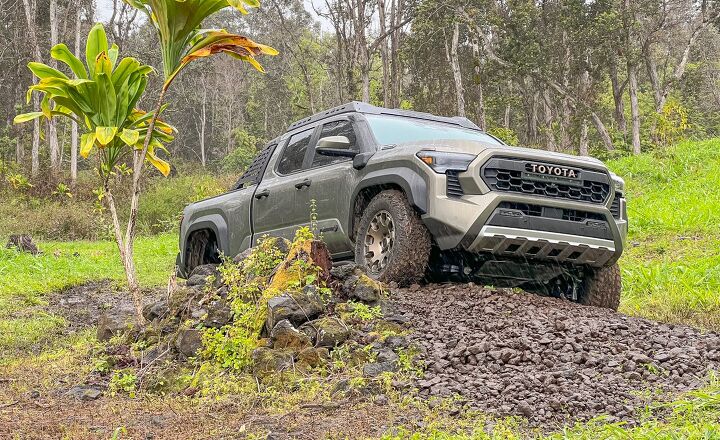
(441, 161)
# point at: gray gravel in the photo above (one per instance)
(548, 360)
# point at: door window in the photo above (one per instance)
(294, 154)
(335, 128)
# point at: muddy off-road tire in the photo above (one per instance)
(601, 288)
(392, 243)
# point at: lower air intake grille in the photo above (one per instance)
(615, 205)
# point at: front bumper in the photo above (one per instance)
(478, 222)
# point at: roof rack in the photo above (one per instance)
(363, 107)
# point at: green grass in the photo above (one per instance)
(671, 268)
(25, 279)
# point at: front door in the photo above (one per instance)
(333, 179)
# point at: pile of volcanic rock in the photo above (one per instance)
(548, 360)
(301, 329)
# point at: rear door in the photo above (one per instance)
(276, 210)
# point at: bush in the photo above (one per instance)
(246, 147)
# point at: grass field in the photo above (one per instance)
(671, 272)
(671, 268)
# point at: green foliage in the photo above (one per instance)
(671, 267)
(101, 98)
(251, 283)
(506, 135)
(182, 40)
(239, 159)
(672, 123)
(363, 312)
(123, 381)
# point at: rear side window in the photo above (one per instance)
(294, 154)
(335, 128)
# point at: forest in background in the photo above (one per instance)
(609, 77)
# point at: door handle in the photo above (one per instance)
(302, 184)
(263, 193)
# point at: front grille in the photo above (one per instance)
(615, 205)
(572, 215)
(454, 188)
(511, 175)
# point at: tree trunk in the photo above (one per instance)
(549, 119)
(128, 260)
(396, 74)
(583, 147)
(602, 131)
(384, 56)
(477, 82)
(618, 92)
(506, 115)
(565, 107)
(203, 121)
(52, 123)
(32, 36)
(634, 106)
(452, 57)
(74, 127)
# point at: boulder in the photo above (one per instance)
(23, 243)
(312, 357)
(296, 307)
(115, 321)
(218, 314)
(377, 368)
(284, 335)
(181, 299)
(84, 392)
(199, 275)
(267, 361)
(242, 256)
(326, 332)
(344, 271)
(356, 284)
(365, 289)
(156, 310)
(189, 341)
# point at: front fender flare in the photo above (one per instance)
(412, 183)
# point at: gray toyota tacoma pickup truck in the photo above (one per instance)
(412, 196)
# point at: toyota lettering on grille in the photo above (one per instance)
(552, 170)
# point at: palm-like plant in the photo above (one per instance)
(182, 40)
(102, 97)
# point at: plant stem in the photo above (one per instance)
(128, 260)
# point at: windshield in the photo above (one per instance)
(391, 130)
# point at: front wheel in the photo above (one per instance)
(601, 288)
(392, 243)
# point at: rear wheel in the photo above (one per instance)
(201, 249)
(392, 243)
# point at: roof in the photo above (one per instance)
(362, 107)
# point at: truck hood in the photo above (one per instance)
(477, 147)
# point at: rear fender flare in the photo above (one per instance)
(213, 222)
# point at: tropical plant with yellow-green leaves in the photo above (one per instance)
(101, 97)
(182, 40)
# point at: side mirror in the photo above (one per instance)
(338, 146)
